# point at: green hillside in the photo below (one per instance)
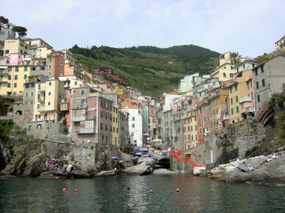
(150, 69)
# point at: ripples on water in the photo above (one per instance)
(111, 194)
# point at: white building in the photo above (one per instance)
(135, 126)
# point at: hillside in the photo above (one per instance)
(150, 69)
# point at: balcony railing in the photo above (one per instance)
(82, 118)
(3, 72)
(85, 130)
(250, 109)
(226, 117)
(245, 99)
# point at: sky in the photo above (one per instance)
(249, 27)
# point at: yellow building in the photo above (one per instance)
(13, 78)
(226, 69)
(48, 94)
(120, 90)
(236, 90)
(217, 102)
(15, 46)
(115, 132)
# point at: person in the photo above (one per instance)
(274, 156)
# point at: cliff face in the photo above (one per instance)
(236, 141)
(24, 155)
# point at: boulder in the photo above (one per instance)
(79, 174)
(106, 173)
(46, 175)
(36, 165)
(198, 170)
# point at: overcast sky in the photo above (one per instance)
(250, 27)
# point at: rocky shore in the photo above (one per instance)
(261, 170)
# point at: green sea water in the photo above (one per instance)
(121, 193)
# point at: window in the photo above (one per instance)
(263, 82)
(256, 72)
(16, 69)
(236, 99)
(258, 98)
(25, 68)
(231, 75)
(27, 94)
(49, 66)
(25, 76)
(106, 127)
(9, 69)
(38, 106)
(224, 75)
(247, 83)
(50, 59)
(49, 73)
(9, 77)
(235, 87)
(232, 111)
(16, 77)
(261, 69)
(231, 89)
(75, 82)
(101, 126)
(15, 85)
(32, 102)
(257, 85)
(231, 101)
(49, 93)
(32, 94)
(237, 109)
(49, 103)
(49, 83)
(133, 118)
(82, 92)
(133, 125)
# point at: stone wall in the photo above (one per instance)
(238, 140)
(48, 130)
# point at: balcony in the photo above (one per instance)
(78, 118)
(226, 117)
(245, 99)
(3, 72)
(85, 130)
(250, 110)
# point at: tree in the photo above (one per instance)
(22, 31)
(3, 20)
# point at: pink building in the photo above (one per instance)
(15, 59)
(247, 103)
(91, 116)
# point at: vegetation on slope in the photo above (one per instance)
(150, 69)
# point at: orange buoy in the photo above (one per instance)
(177, 190)
(64, 189)
(76, 190)
(151, 191)
(134, 205)
(50, 207)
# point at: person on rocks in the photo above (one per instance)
(274, 156)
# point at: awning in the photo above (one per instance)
(187, 153)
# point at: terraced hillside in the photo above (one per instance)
(152, 70)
